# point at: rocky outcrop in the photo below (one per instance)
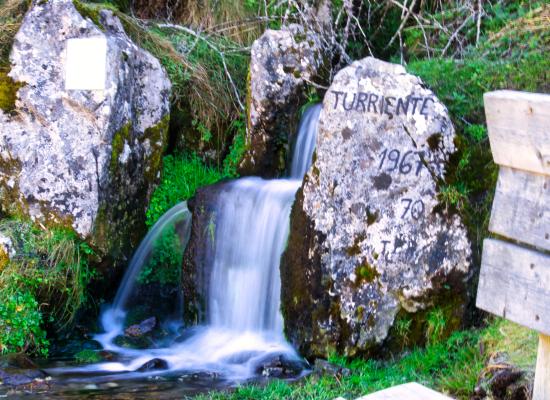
(369, 238)
(85, 159)
(282, 64)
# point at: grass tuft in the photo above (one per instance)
(51, 266)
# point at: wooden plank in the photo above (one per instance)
(409, 391)
(514, 283)
(541, 390)
(521, 208)
(519, 129)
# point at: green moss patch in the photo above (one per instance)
(87, 357)
(365, 273)
(8, 92)
(120, 137)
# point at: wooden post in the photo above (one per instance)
(541, 390)
(514, 281)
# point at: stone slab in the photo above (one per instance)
(408, 391)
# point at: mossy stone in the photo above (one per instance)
(120, 137)
(8, 92)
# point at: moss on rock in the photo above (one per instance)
(158, 137)
(122, 136)
(8, 92)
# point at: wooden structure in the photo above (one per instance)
(514, 282)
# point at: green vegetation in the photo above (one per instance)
(21, 324)
(451, 366)
(164, 266)
(87, 357)
(44, 283)
(514, 56)
(11, 14)
(207, 69)
(182, 176)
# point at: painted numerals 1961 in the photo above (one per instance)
(406, 162)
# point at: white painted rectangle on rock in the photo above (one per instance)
(408, 391)
(86, 64)
(514, 283)
(519, 129)
(521, 208)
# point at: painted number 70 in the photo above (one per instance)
(414, 208)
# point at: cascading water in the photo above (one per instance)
(244, 325)
(305, 142)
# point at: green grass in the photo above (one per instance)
(182, 176)
(451, 366)
(44, 283)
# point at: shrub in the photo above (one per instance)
(50, 268)
(21, 324)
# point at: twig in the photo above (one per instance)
(220, 53)
(455, 33)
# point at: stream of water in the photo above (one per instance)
(244, 326)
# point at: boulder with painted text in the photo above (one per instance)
(372, 251)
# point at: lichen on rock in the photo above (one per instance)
(86, 159)
(282, 63)
(368, 235)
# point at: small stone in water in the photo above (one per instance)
(154, 364)
(142, 328)
(111, 385)
(91, 387)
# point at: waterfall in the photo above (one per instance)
(305, 142)
(113, 318)
(244, 324)
(245, 286)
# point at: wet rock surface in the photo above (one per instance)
(369, 238)
(156, 364)
(20, 377)
(197, 259)
(282, 63)
(143, 328)
(279, 366)
(85, 159)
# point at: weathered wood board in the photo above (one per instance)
(408, 391)
(514, 283)
(541, 390)
(519, 129)
(521, 208)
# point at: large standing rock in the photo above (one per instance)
(87, 159)
(282, 64)
(369, 238)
